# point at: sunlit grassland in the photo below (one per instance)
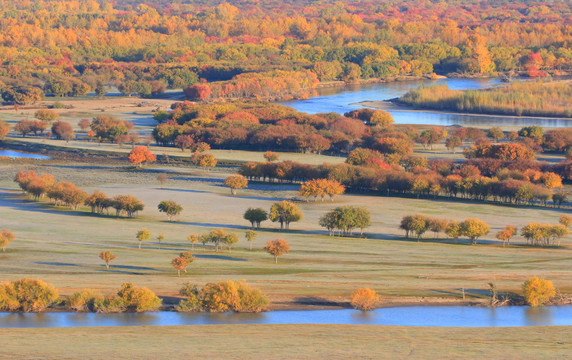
(62, 246)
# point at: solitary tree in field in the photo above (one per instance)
(474, 228)
(270, 156)
(107, 257)
(162, 178)
(160, 238)
(6, 237)
(277, 248)
(537, 291)
(255, 216)
(180, 263)
(235, 182)
(364, 299)
(565, 220)
(170, 208)
(141, 155)
(143, 235)
(193, 239)
(285, 212)
(250, 235)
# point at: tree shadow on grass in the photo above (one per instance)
(188, 190)
(17, 202)
(212, 225)
(55, 263)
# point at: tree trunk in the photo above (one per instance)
(107, 265)
(139, 244)
(250, 247)
(178, 273)
(275, 259)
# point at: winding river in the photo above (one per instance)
(438, 316)
(340, 100)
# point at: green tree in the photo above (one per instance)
(255, 216)
(170, 208)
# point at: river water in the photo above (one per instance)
(17, 154)
(438, 316)
(339, 100)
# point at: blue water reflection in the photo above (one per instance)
(339, 100)
(17, 154)
(438, 316)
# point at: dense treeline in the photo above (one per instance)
(540, 98)
(516, 182)
(67, 48)
(259, 125)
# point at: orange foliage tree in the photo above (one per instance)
(141, 155)
(235, 182)
(277, 248)
(364, 299)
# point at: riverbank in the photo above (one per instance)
(396, 105)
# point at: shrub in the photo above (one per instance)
(28, 295)
(192, 301)
(537, 291)
(222, 296)
(251, 299)
(138, 299)
(83, 300)
(109, 304)
(364, 299)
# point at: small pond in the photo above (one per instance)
(436, 316)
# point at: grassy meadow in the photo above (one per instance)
(61, 246)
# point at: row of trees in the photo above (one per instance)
(284, 212)
(345, 219)
(516, 182)
(68, 194)
(419, 224)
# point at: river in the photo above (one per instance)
(18, 154)
(339, 99)
(438, 316)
